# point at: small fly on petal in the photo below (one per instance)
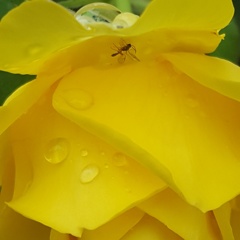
(124, 50)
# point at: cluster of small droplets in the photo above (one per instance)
(57, 150)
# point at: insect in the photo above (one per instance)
(124, 50)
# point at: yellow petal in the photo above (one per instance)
(55, 235)
(179, 129)
(116, 228)
(25, 96)
(76, 180)
(235, 217)
(15, 226)
(223, 217)
(185, 14)
(215, 73)
(182, 218)
(5, 153)
(30, 33)
(12, 224)
(150, 228)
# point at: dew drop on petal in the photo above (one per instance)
(89, 173)
(102, 153)
(96, 13)
(106, 166)
(34, 49)
(84, 152)
(56, 150)
(78, 99)
(119, 160)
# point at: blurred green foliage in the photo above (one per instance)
(7, 5)
(228, 49)
(10, 82)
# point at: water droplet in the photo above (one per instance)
(84, 152)
(95, 14)
(56, 150)
(89, 173)
(102, 153)
(106, 166)
(78, 99)
(34, 49)
(119, 160)
(125, 20)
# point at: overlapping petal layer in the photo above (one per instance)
(70, 175)
(116, 228)
(15, 226)
(53, 28)
(33, 31)
(235, 217)
(12, 224)
(179, 129)
(214, 73)
(150, 228)
(25, 96)
(182, 218)
(186, 14)
(150, 111)
(223, 217)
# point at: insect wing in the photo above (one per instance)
(121, 58)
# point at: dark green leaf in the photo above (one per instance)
(10, 82)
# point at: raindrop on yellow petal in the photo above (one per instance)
(56, 150)
(119, 160)
(84, 152)
(78, 99)
(89, 173)
(96, 13)
(34, 49)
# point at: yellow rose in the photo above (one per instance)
(129, 130)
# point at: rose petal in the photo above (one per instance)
(179, 129)
(55, 235)
(33, 31)
(223, 217)
(235, 216)
(185, 14)
(25, 96)
(71, 175)
(150, 228)
(15, 226)
(12, 224)
(182, 218)
(116, 228)
(215, 73)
